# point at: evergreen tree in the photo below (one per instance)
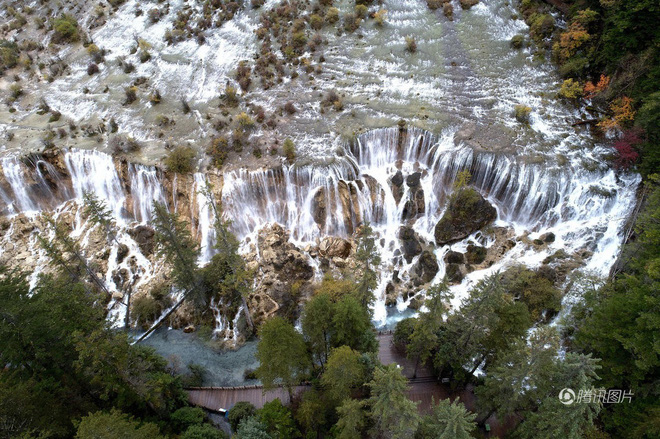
(96, 211)
(113, 425)
(352, 419)
(422, 340)
(367, 255)
(179, 249)
(278, 420)
(251, 428)
(449, 420)
(239, 280)
(394, 416)
(66, 254)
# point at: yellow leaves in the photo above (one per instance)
(623, 114)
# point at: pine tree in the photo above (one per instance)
(96, 211)
(366, 253)
(62, 245)
(393, 414)
(352, 419)
(449, 420)
(227, 245)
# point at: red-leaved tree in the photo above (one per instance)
(627, 154)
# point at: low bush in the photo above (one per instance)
(411, 45)
(180, 160)
(92, 69)
(66, 29)
(521, 113)
(332, 15)
(218, 150)
(570, 89)
(289, 150)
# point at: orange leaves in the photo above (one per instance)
(623, 114)
(571, 40)
(591, 90)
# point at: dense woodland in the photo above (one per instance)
(66, 373)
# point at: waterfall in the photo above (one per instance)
(387, 177)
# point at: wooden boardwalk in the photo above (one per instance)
(216, 398)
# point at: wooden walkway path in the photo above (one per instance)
(216, 398)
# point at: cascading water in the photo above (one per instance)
(357, 188)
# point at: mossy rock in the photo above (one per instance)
(466, 213)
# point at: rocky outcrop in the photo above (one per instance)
(283, 274)
(466, 213)
(333, 247)
(415, 204)
(425, 269)
(410, 243)
(144, 237)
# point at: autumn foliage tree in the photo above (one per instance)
(626, 148)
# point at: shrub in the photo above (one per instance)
(155, 97)
(541, 26)
(289, 150)
(66, 29)
(218, 151)
(15, 91)
(145, 310)
(131, 95)
(332, 15)
(122, 144)
(448, 10)
(591, 90)
(570, 89)
(180, 160)
(299, 39)
(256, 4)
(290, 108)
(8, 55)
(203, 431)
(230, 96)
(154, 15)
(92, 69)
(240, 411)
(622, 112)
(379, 17)
(411, 45)
(517, 41)
(186, 417)
(245, 122)
(434, 4)
(361, 11)
(95, 53)
(467, 4)
(625, 147)
(521, 113)
(243, 73)
(144, 56)
(316, 21)
(351, 22)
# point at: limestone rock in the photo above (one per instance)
(409, 243)
(333, 247)
(425, 269)
(144, 236)
(466, 213)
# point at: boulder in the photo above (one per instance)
(144, 237)
(413, 179)
(333, 247)
(409, 243)
(415, 204)
(122, 251)
(476, 254)
(396, 183)
(453, 257)
(466, 213)
(454, 273)
(547, 237)
(425, 269)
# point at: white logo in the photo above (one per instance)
(567, 396)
